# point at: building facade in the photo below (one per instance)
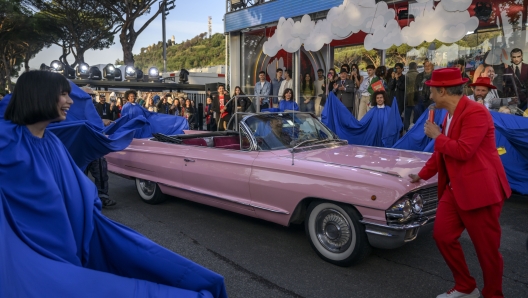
(305, 36)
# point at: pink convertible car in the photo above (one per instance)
(290, 168)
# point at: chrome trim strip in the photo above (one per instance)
(269, 209)
(228, 200)
(415, 224)
(361, 168)
(379, 233)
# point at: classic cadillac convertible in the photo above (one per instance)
(290, 168)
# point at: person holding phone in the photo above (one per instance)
(355, 76)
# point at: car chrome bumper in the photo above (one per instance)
(396, 235)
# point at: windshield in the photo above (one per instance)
(283, 131)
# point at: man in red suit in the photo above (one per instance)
(472, 185)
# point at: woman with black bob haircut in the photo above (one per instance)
(55, 241)
(39, 96)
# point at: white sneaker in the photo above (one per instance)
(456, 294)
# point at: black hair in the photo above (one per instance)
(130, 92)
(375, 94)
(220, 85)
(413, 65)
(303, 82)
(288, 72)
(241, 92)
(400, 65)
(286, 91)
(278, 69)
(388, 75)
(345, 66)
(516, 50)
(320, 70)
(460, 62)
(380, 72)
(370, 66)
(262, 72)
(354, 65)
(35, 97)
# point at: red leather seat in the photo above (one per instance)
(195, 142)
(228, 142)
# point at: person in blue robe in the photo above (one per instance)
(287, 103)
(55, 240)
(380, 127)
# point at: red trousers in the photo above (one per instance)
(484, 229)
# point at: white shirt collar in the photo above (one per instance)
(381, 106)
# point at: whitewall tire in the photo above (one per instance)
(149, 192)
(336, 234)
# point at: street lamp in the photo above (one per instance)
(167, 5)
(153, 74)
(95, 73)
(108, 72)
(130, 73)
(118, 76)
(83, 71)
(56, 66)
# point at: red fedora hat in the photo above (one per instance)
(446, 77)
(482, 81)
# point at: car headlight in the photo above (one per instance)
(417, 203)
(401, 211)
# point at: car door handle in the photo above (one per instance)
(189, 160)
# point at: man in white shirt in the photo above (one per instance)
(286, 84)
(481, 91)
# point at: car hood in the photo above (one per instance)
(395, 162)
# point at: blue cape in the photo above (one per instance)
(415, 139)
(83, 132)
(87, 139)
(511, 133)
(379, 127)
(55, 241)
(157, 123)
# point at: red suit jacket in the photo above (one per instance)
(467, 158)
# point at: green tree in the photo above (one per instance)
(126, 13)
(13, 29)
(196, 52)
(81, 25)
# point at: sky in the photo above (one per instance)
(187, 20)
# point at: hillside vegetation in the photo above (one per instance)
(197, 52)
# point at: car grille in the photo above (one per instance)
(430, 200)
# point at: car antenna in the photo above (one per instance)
(293, 132)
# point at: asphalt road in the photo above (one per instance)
(261, 259)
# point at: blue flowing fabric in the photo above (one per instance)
(379, 127)
(87, 139)
(56, 243)
(511, 133)
(288, 105)
(158, 123)
(83, 131)
(415, 139)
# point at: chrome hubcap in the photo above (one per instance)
(147, 187)
(333, 230)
